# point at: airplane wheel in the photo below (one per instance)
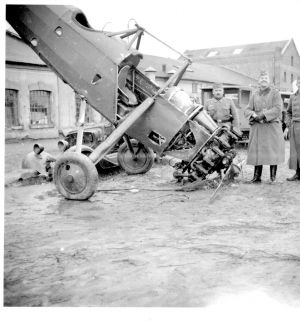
(75, 176)
(140, 162)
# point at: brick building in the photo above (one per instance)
(280, 58)
(38, 104)
(197, 76)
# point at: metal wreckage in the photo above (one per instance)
(103, 69)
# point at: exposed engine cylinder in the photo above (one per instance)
(204, 119)
(202, 146)
(179, 99)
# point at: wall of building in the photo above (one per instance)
(286, 67)
(272, 61)
(62, 102)
(23, 80)
(191, 87)
(66, 105)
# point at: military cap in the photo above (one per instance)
(217, 85)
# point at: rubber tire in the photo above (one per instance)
(87, 151)
(90, 172)
(87, 154)
(130, 169)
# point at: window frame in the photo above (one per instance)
(237, 51)
(212, 53)
(48, 109)
(16, 110)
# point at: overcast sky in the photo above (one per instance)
(194, 24)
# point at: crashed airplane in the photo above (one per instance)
(103, 69)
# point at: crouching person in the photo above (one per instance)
(293, 131)
(40, 162)
(266, 141)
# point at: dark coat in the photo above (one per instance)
(293, 120)
(266, 142)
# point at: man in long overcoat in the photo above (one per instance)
(293, 131)
(266, 142)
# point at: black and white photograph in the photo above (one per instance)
(151, 160)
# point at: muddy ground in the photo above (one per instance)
(148, 247)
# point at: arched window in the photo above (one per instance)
(292, 61)
(292, 78)
(284, 76)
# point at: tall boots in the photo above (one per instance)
(258, 171)
(273, 170)
(296, 176)
(257, 174)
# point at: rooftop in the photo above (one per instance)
(196, 71)
(17, 51)
(239, 49)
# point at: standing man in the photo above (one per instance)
(266, 142)
(293, 131)
(222, 109)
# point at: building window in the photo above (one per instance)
(237, 51)
(292, 78)
(11, 108)
(292, 61)
(284, 76)
(40, 107)
(88, 111)
(212, 53)
(194, 88)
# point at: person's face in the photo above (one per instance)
(264, 81)
(36, 150)
(61, 147)
(218, 92)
